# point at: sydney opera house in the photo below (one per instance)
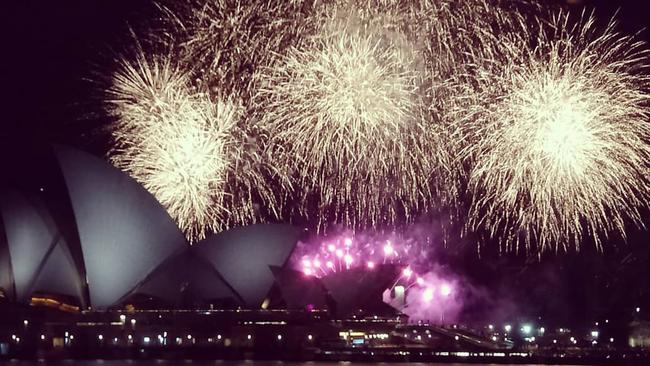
(92, 266)
(94, 247)
(102, 242)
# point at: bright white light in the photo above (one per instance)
(427, 295)
(42, 337)
(494, 338)
(279, 337)
(542, 330)
(147, 339)
(329, 264)
(491, 327)
(508, 327)
(407, 272)
(371, 265)
(445, 290)
(388, 249)
(316, 263)
(306, 263)
(331, 247)
(100, 337)
(25, 322)
(594, 334)
(123, 318)
(189, 336)
(348, 259)
(611, 340)
(218, 336)
(308, 271)
(420, 281)
(456, 337)
(133, 321)
(348, 242)
(249, 337)
(526, 329)
(638, 309)
(309, 337)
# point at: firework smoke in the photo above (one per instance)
(557, 134)
(436, 298)
(184, 147)
(345, 114)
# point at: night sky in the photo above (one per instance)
(51, 49)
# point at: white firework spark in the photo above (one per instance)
(184, 147)
(224, 42)
(345, 116)
(559, 136)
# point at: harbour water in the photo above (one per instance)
(231, 363)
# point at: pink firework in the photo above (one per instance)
(322, 256)
(420, 289)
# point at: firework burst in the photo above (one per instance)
(223, 42)
(345, 114)
(320, 257)
(558, 136)
(420, 288)
(184, 147)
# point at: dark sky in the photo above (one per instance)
(49, 48)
